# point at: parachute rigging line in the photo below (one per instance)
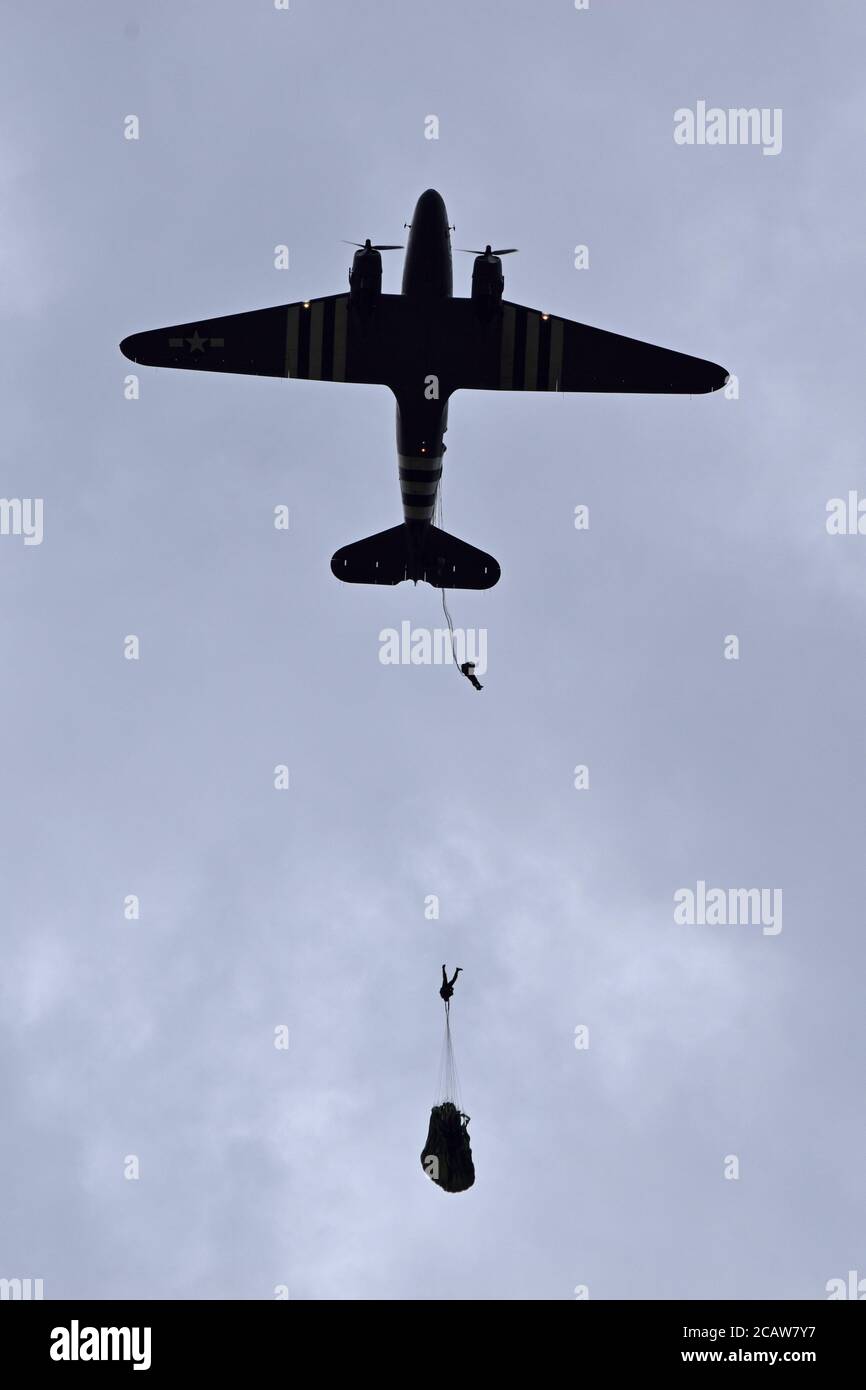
(451, 632)
(449, 1081)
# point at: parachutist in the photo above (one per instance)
(448, 985)
(468, 669)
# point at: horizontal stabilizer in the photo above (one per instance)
(450, 563)
(379, 559)
(390, 557)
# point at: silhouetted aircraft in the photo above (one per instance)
(424, 344)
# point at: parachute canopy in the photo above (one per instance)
(447, 1155)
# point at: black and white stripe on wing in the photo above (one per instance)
(419, 483)
(530, 350)
(316, 336)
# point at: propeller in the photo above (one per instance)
(488, 251)
(368, 246)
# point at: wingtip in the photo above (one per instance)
(127, 347)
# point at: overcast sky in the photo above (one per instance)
(603, 1167)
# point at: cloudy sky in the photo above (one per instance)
(602, 1167)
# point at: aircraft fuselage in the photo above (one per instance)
(422, 417)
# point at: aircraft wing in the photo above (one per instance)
(525, 350)
(316, 339)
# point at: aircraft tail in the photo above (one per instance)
(439, 559)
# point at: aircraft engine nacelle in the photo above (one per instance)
(365, 277)
(488, 282)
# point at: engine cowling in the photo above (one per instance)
(365, 277)
(488, 282)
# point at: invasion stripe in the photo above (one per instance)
(408, 475)
(530, 373)
(506, 364)
(317, 315)
(544, 355)
(420, 489)
(421, 468)
(304, 344)
(417, 513)
(328, 340)
(520, 348)
(292, 340)
(554, 375)
(341, 331)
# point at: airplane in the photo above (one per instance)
(424, 344)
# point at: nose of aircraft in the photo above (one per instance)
(430, 207)
(427, 267)
(430, 219)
